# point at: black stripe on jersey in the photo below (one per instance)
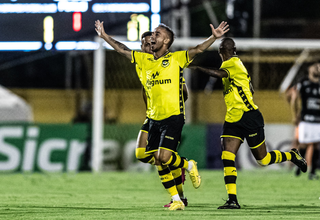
(181, 104)
(242, 95)
(187, 56)
(134, 59)
(227, 72)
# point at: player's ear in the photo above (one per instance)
(166, 41)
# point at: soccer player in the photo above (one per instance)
(178, 173)
(243, 120)
(305, 105)
(162, 78)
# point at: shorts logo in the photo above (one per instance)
(165, 63)
(252, 135)
(171, 138)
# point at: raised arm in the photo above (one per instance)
(217, 73)
(216, 33)
(119, 47)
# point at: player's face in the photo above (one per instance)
(314, 73)
(146, 45)
(158, 37)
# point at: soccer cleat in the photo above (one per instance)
(194, 175)
(230, 205)
(176, 205)
(185, 202)
(298, 160)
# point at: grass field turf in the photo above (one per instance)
(262, 194)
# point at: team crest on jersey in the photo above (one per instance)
(165, 63)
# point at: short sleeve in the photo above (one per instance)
(183, 58)
(136, 57)
(226, 66)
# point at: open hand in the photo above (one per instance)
(221, 30)
(99, 28)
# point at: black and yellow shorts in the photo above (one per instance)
(250, 127)
(165, 134)
(145, 126)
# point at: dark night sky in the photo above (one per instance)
(279, 19)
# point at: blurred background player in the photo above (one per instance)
(162, 78)
(178, 173)
(243, 120)
(305, 105)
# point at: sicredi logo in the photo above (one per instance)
(21, 148)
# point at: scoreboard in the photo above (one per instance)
(65, 24)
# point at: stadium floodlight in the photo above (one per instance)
(155, 6)
(155, 21)
(120, 7)
(20, 45)
(31, 8)
(76, 45)
(66, 6)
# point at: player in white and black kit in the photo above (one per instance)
(306, 114)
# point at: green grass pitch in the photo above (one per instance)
(262, 194)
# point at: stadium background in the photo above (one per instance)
(54, 88)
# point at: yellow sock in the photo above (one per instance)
(176, 161)
(230, 174)
(176, 172)
(275, 156)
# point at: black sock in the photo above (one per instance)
(315, 157)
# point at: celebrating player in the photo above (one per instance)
(243, 120)
(161, 76)
(178, 173)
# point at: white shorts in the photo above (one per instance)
(309, 132)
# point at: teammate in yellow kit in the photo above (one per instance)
(243, 120)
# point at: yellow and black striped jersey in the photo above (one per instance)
(236, 89)
(163, 81)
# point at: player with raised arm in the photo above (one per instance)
(161, 76)
(178, 173)
(243, 120)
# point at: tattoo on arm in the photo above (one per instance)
(120, 45)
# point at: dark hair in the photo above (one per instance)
(169, 32)
(227, 45)
(146, 34)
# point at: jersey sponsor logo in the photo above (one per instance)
(165, 63)
(151, 83)
(154, 75)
